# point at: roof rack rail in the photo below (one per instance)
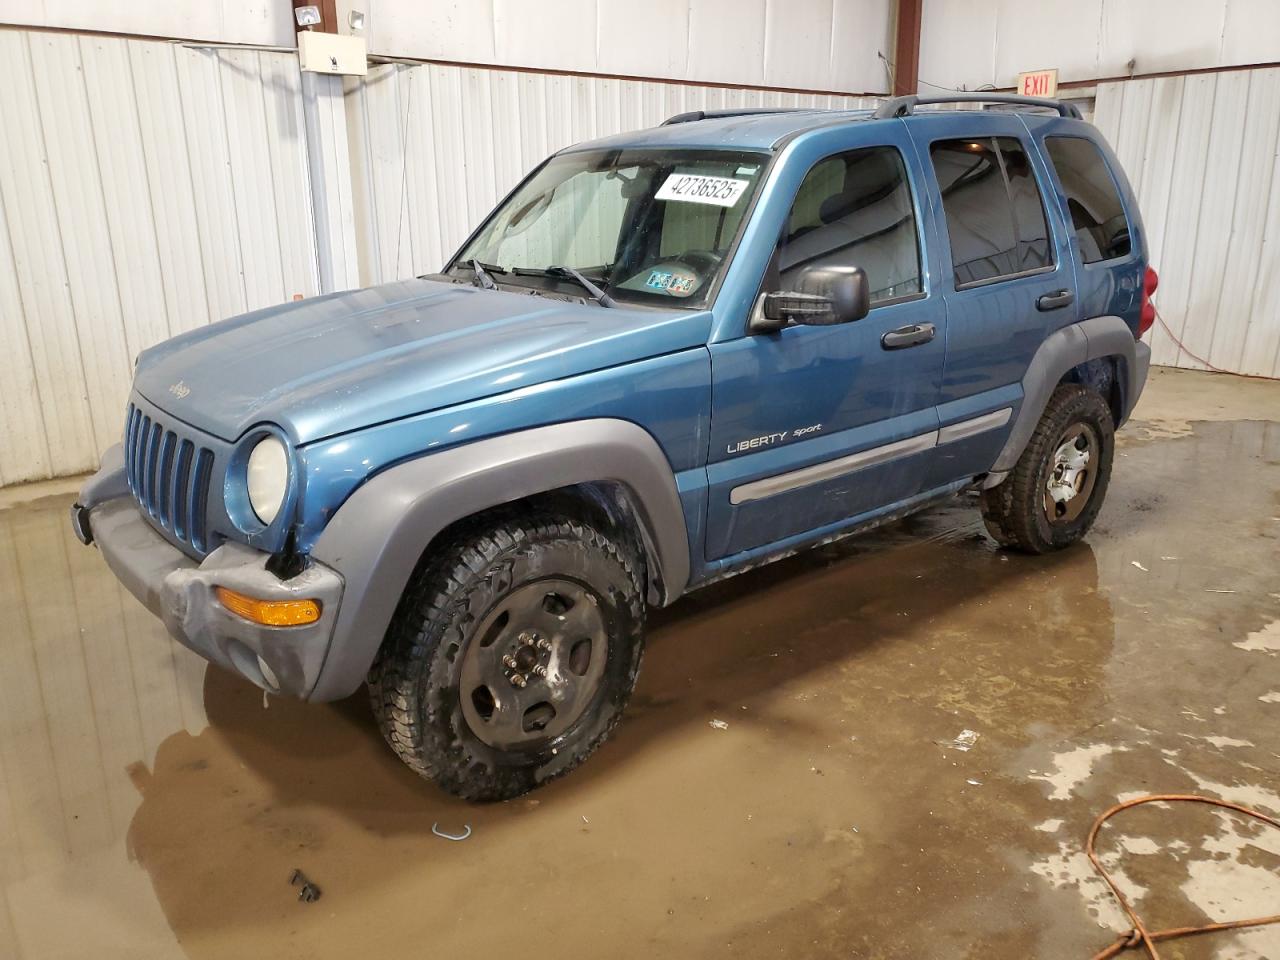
(693, 115)
(906, 106)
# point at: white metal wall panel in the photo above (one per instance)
(170, 182)
(435, 147)
(21, 418)
(1201, 152)
(969, 43)
(808, 44)
(45, 315)
(62, 102)
(146, 188)
(220, 21)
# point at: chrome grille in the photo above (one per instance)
(169, 476)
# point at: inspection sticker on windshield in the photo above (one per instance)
(695, 188)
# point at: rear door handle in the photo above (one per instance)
(912, 335)
(1053, 301)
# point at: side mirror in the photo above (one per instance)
(822, 296)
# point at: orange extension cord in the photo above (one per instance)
(1140, 936)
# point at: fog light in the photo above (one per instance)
(270, 613)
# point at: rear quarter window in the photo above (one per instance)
(1097, 215)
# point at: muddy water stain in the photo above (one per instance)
(831, 814)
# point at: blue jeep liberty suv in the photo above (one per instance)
(666, 357)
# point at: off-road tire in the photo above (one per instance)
(414, 681)
(1014, 512)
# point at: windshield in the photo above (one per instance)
(645, 226)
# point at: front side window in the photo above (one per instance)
(1097, 215)
(855, 210)
(647, 226)
(994, 212)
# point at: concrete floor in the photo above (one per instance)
(152, 808)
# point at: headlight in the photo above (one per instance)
(268, 478)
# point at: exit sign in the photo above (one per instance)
(1038, 83)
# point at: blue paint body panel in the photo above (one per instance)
(361, 381)
(1108, 287)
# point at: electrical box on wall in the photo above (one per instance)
(332, 53)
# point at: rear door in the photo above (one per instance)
(1007, 278)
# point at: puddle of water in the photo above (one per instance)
(150, 808)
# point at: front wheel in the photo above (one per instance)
(512, 656)
(1054, 492)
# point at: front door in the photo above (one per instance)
(813, 425)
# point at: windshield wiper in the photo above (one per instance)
(569, 273)
(481, 271)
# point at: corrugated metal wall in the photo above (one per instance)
(145, 189)
(1202, 153)
(434, 147)
(830, 45)
(967, 44)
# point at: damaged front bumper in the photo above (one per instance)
(181, 591)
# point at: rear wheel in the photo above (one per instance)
(1054, 492)
(512, 656)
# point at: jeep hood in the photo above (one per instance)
(337, 363)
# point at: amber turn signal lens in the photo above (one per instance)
(270, 613)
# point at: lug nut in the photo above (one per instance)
(544, 645)
(517, 680)
(509, 661)
(528, 638)
(540, 670)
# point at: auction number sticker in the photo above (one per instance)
(696, 188)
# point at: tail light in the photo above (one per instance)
(1147, 318)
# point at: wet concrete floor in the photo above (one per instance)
(150, 807)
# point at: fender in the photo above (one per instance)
(377, 537)
(1092, 339)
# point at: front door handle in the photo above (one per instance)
(1052, 301)
(912, 335)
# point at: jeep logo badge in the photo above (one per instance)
(180, 390)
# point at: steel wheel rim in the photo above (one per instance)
(534, 665)
(1072, 473)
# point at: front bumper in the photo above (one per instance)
(180, 591)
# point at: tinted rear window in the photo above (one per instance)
(1028, 212)
(1097, 214)
(995, 217)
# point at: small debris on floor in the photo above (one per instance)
(309, 892)
(466, 832)
(719, 725)
(965, 740)
(974, 783)
(1139, 566)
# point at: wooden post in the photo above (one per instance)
(906, 59)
